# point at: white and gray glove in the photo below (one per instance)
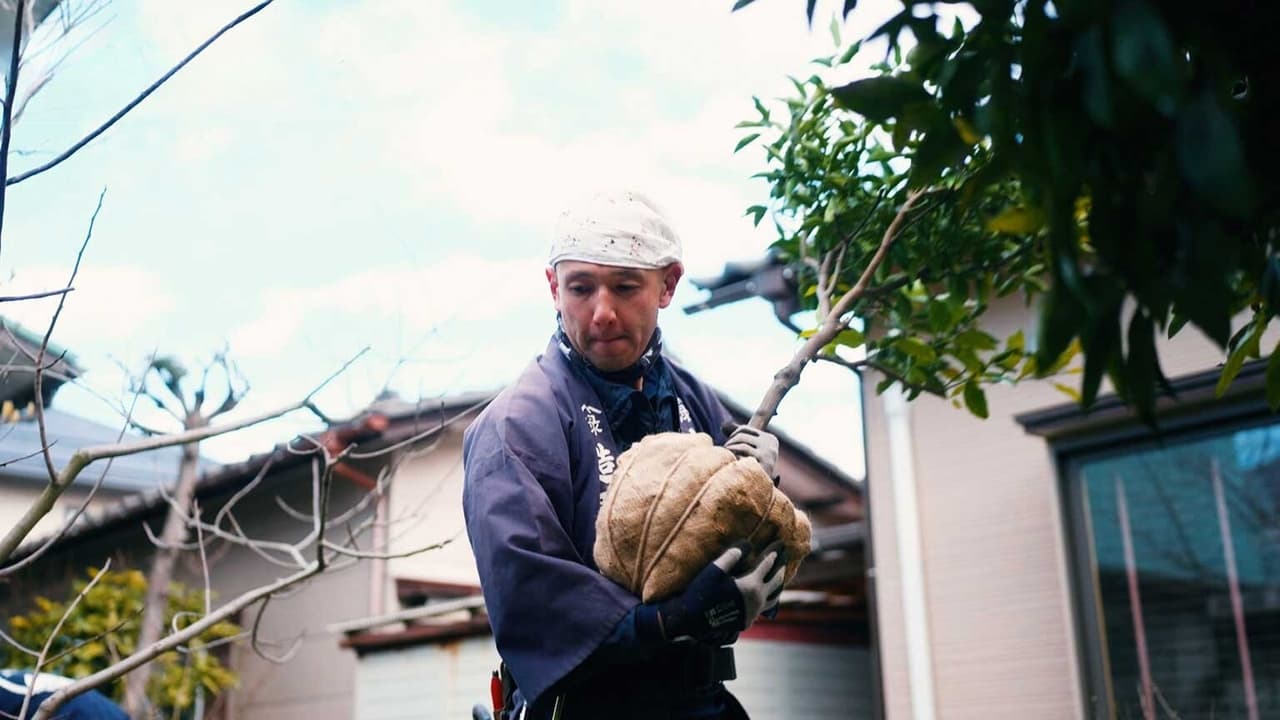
(746, 441)
(761, 585)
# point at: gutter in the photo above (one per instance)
(902, 476)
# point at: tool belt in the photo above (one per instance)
(678, 671)
(650, 688)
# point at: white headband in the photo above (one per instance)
(624, 229)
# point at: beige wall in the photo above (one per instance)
(16, 496)
(425, 509)
(992, 545)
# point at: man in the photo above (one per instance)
(538, 461)
(15, 684)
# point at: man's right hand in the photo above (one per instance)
(722, 598)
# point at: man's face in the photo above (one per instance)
(609, 313)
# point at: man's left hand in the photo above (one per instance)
(746, 441)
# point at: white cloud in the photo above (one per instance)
(110, 304)
(410, 300)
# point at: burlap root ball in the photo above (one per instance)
(677, 502)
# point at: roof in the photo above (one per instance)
(20, 455)
(388, 420)
(18, 349)
(214, 479)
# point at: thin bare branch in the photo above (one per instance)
(84, 456)
(99, 636)
(244, 491)
(10, 95)
(19, 646)
(257, 645)
(384, 555)
(79, 144)
(824, 280)
(57, 630)
(422, 435)
(84, 505)
(35, 295)
(291, 512)
(44, 346)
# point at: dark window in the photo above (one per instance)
(1177, 556)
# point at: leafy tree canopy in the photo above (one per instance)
(1115, 157)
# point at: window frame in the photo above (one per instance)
(1112, 430)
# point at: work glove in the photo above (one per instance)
(724, 598)
(746, 441)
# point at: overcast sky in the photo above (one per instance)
(334, 175)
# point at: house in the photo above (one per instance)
(429, 653)
(1050, 563)
(23, 471)
(266, 491)
(821, 632)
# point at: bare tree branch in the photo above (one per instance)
(84, 456)
(67, 525)
(44, 346)
(79, 144)
(257, 645)
(340, 550)
(57, 629)
(35, 295)
(22, 648)
(422, 435)
(10, 94)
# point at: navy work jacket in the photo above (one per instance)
(91, 705)
(537, 462)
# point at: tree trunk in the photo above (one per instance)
(161, 574)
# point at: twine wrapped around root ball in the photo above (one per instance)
(677, 502)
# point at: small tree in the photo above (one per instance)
(319, 550)
(103, 627)
(899, 253)
(191, 410)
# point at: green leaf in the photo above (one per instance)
(741, 4)
(1101, 346)
(1211, 156)
(1017, 221)
(976, 340)
(835, 31)
(849, 5)
(849, 53)
(745, 141)
(1273, 379)
(940, 149)
(975, 399)
(1142, 366)
(764, 112)
(1097, 81)
(1144, 54)
(939, 316)
(880, 98)
(850, 338)
(916, 349)
(757, 212)
(1248, 346)
(1068, 391)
